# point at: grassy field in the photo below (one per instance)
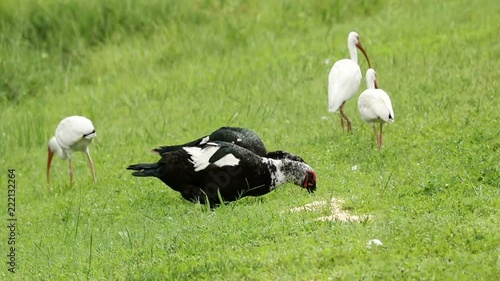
(165, 72)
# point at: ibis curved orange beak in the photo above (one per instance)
(360, 47)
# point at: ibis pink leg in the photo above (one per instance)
(91, 166)
(380, 137)
(342, 115)
(349, 124)
(70, 171)
(376, 136)
(49, 162)
(342, 122)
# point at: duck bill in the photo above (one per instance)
(376, 85)
(49, 162)
(360, 47)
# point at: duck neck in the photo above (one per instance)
(286, 170)
(275, 168)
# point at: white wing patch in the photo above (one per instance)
(227, 160)
(204, 140)
(200, 157)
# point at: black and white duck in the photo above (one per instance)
(240, 136)
(220, 170)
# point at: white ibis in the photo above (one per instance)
(74, 133)
(375, 105)
(344, 79)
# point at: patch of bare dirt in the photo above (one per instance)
(335, 205)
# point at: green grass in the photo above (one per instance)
(165, 72)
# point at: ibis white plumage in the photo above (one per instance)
(73, 133)
(375, 105)
(344, 79)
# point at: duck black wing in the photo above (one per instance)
(164, 149)
(229, 172)
(174, 169)
(250, 140)
(239, 136)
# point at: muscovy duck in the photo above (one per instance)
(222, 170)
(240, 136)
